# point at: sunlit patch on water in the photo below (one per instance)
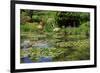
(42, 44)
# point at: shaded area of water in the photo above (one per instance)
(26, 60)
(45, 59)
(41, 59)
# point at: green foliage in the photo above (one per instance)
(75, 51)
(85, 29)
(36, 18)
(25, 28)
(28, 27)
(68, 43)
(48, 27)
(80, 54)
(65, 19)
(84, 17)
(24, 18)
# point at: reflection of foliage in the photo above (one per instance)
(78, 50)
(75, 51)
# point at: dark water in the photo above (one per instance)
(42, 59)
(45, 59)
(26, 60)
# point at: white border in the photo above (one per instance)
(51, 64)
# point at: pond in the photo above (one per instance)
(43, 49)
(39, 44)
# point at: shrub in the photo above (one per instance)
(24, 18)
(36, 18)
(28, 27)
(85, 29)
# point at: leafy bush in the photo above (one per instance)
(24, 18)
(36, 18)
(29, 27)
(85, 29)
